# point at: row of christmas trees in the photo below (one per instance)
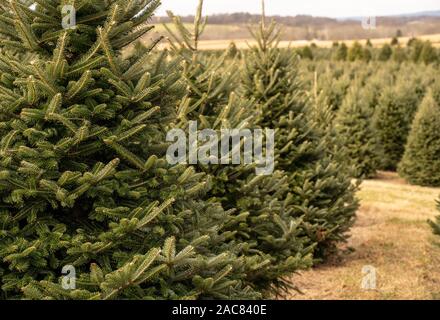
(416, 50)
(387, 117)
(389, 121)
(84, 181)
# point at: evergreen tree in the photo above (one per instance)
(322, 197)
(416, 47)
(355, 129)
(421, 162)
(411, 42)
(233, 50)
(83, 176)
(385, 53)
(341, 190)
(306, 53)
(399, 54)
(367, 55)
(381, 77)
(428, 54)
(334, 84)
(262, 222)
(436, 223)
(393, 119)
(341, 52)
(355, 52)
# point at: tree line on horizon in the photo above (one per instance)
(306, 27)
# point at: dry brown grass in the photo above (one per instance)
(244, 44)
(392, 235)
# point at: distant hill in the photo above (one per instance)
(416, 15)
(422, 14)
(243, 17)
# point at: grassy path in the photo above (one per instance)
(391, 234)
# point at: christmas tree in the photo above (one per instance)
(341, 52)
(393, 118)
(385, 52)
(399, 54)
(355, 129)
(340, 191)
(262, 221)
(428, 54)
(84, 183)
(333, 84)
(356, 52)
(395, 41)
(319, 196)
(421, 162)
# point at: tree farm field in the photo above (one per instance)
(391, 234)
(141, 161)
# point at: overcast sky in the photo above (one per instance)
(329, 8)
